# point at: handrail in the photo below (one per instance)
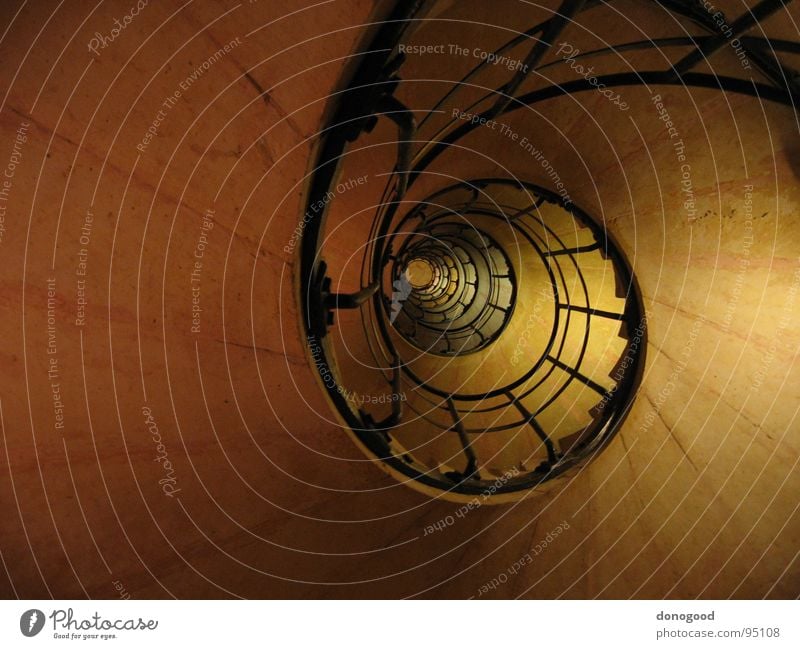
(371, 95)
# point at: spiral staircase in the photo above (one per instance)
(479, 281)
(495, 253)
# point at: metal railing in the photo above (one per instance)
(370, 95)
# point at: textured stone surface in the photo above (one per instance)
(274, 500)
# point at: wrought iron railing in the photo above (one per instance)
(471, 293)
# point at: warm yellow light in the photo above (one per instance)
(419, 273)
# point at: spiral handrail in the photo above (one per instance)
(435, 227)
